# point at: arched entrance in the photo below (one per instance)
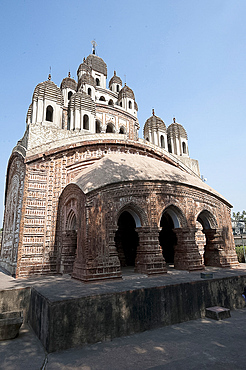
(167, 237)
(206, 229)
(172, 223)
(69, 243)
(126, 239)
(200, 239)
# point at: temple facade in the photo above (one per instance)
(86, 196)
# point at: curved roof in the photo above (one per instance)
(175, 129)
(154, 123)
(69, 82)
(84, 67)
(86, 78)
(81, 100)
(126, 91)
(96, 63)
(121, 167)
(115, 79)
(48, 89)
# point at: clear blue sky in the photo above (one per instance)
(184, 58)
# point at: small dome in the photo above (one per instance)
(154, 123)
(97, 64)
(115, 79)
(126, 92)
(48, 89)
(84, 67)
(86, 78)
(68, 82)
(176, 130)
(81, 100)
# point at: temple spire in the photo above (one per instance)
(94, 44)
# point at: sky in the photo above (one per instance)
(184, 58)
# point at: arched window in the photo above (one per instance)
(98, 127)
(130, 104)
(86, 122)
(162, 141)
(147, 139)
(110, 128)
(184, 147)
(69, 95)
(49, 113)
(97, 82)
(89, 91)
(122, 130)
(71, 221)
(117, 88)
(121, 104)
(169, 147)
(110, 102)
(102, 98)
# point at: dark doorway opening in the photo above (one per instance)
(200, 238)
(167, 238)
(126, 239)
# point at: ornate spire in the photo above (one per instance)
(94, 44)
(49, 77)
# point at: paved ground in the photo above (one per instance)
(200, 344)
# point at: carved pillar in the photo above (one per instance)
(149, 259)
(186, 254)
(216, 253)
(114, 261)
(68, 252)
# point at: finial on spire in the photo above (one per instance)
(174, 120)
(94, 44)
(153, 111)
(69, 74)
(114, 73)
(49, 77)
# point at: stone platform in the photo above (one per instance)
(66, 313)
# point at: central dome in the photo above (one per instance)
(97, 64)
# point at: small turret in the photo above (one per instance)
(155, 131)
(177, 139)
(115, 83)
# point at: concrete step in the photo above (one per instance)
(218, 313)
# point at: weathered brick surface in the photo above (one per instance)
(87, 249)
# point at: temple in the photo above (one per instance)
(86, 196)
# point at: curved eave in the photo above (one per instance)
(124, 168)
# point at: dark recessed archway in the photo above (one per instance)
(167, 238)
(126, 239)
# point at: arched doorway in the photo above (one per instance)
(167, 237)
(110, 128)
(200, 239)
(69, 243)
(126, 239)
(206, 228)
